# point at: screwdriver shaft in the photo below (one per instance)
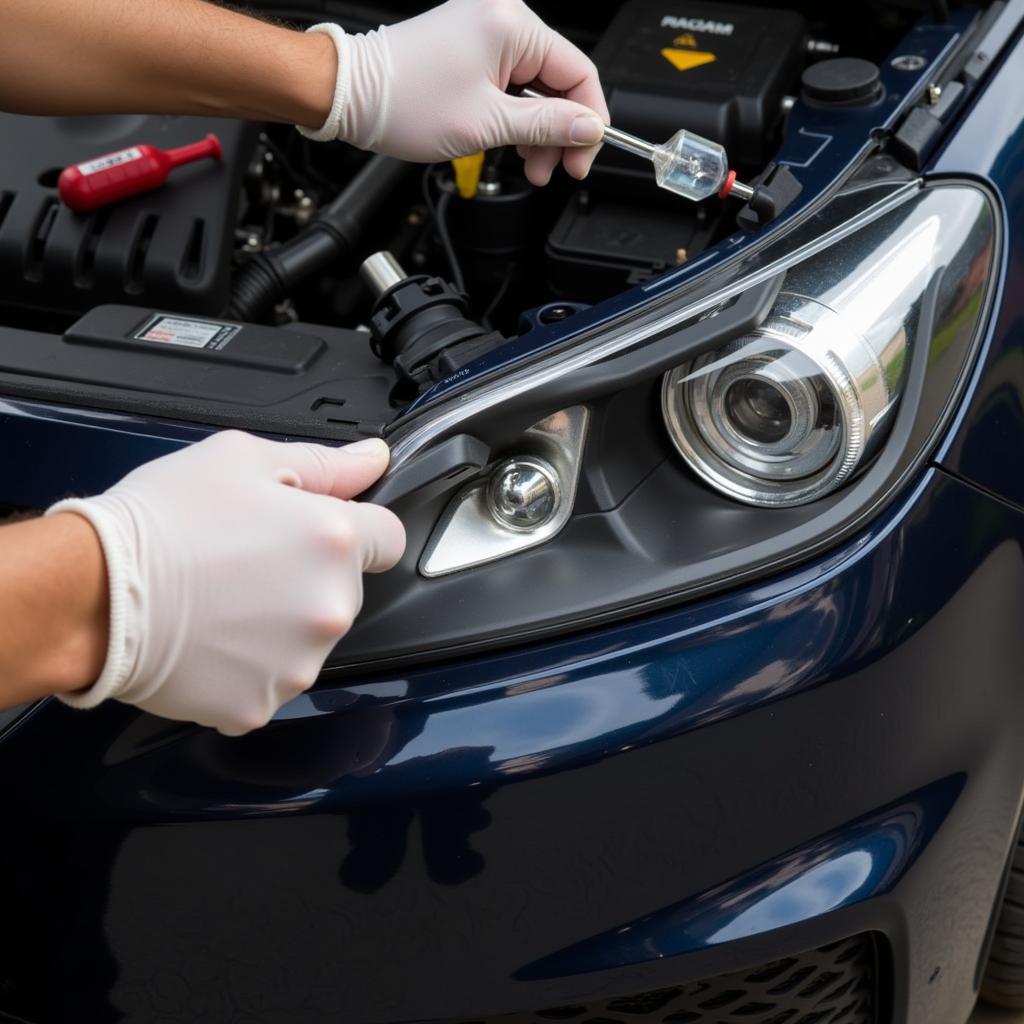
(613, 136)
(630, 143)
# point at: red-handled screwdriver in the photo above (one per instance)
(116, 176)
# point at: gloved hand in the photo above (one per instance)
(234, 566)
(433, 88)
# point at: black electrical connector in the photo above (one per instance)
(774, 190)
(420, 325)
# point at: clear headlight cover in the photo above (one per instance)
(790, 411)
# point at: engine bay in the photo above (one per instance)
(233, 295)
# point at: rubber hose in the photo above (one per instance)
(331, 236)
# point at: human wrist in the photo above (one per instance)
(75, 657)
(360, 105)
(343, 48)
(310, 73)
(271, 74)
(110, 518)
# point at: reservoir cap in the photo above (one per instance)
(842, 81)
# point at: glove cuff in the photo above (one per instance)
(331, 128)
(120, 647)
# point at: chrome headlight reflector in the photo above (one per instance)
(789, 412)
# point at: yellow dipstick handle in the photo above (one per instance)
(467, 174)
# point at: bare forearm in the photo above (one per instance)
(53, 608)
(159, 56)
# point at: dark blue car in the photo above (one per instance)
(698, 696)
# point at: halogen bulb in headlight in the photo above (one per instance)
(523, 493)
(786, 413)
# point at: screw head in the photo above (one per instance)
(933, 93)
(908, 62)
(555, 313)
(524, 493)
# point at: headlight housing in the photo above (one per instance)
(814, 375)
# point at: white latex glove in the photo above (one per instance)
(433, 88)
(234, 566)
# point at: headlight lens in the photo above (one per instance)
(789, 412)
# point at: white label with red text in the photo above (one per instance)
(101, 163)
(176, 330)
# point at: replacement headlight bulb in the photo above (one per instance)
(688, 164)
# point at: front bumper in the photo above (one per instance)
(829, 753)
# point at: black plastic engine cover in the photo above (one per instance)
(307, 380)
(720, 70)
(169, 248)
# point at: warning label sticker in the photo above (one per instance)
(101, 163)
(176, 330)
(683, 60)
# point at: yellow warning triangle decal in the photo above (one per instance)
(683, 60)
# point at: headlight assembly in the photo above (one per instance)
(723, 429)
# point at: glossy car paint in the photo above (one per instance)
(830, 751)
(987, 446)
(827, 753)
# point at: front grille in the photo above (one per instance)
(831, 985)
